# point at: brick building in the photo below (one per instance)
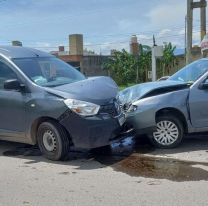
(88, 63)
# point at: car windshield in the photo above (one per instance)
(191, 72)
(48, 72)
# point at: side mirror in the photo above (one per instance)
(204, 85)
(12, 84)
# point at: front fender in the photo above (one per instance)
(144, 117)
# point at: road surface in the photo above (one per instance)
(131, 173)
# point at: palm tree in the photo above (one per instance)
(144, 62)
(169, 59)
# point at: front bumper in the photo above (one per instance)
(143, 121)
(92, 132)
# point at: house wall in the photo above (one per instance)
(93, 65)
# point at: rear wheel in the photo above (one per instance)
(169, 132)
(53, 140)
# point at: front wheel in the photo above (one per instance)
(53, 140)
(169, 132)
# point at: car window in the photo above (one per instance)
(206, 80)
(191, 72)
(6, 73)
(48, 72)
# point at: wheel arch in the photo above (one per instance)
(37, 122)
(175, 112)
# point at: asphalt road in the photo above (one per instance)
(129, 173)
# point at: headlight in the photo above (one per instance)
(132, 108)
(82, 108)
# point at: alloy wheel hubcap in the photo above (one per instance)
(167, 133)
(49, 141)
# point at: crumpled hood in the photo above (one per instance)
(98, 90)
(138, 91)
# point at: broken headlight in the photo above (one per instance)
(132, 108)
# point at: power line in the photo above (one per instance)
(143, 39)
(175, 29)
(119, 42)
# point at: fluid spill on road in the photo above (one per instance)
(129, 156)
(162, 168)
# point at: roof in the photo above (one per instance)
(22, 52)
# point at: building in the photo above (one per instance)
(84, 60)
(76, 46)
(134, 46)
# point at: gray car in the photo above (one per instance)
(166, 110)
(47, 102)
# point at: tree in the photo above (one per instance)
(144, 62)
(126, 68)
(122, 67)
(168, 59)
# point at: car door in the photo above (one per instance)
(198, 104)
(12, 106)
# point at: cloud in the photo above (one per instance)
(45, 46)
(106, 47)
(182, 31)
(130, 24)
(196, 37)
(168, 14)
(144, 37)
(106, 24)
(164, 32)
(124, 24)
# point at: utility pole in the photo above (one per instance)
(202, 4)
(189, 33)
(203, 18)
(185, 37)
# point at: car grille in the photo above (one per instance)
(114, 109)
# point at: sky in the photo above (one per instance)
(105, 24)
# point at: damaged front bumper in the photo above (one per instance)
(143, 121)
(95, 131)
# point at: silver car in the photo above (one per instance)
(166, 110)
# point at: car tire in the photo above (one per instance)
(169, 132)
(53, 140)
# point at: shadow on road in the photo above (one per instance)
(126, 156)
(191, 143)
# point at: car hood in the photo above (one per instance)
(98, 90)
(140, 91)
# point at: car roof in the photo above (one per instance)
(14, 52)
